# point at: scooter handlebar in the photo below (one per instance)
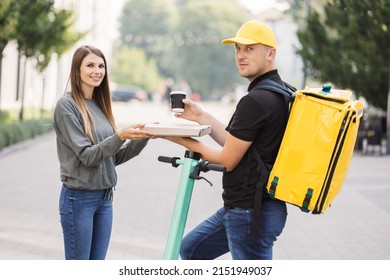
(166, 159)
(206, 166)
(171, 160)
(215, 167)
(203, 165)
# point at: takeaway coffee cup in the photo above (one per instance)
(177, 104)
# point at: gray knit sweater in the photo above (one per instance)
(84, 165)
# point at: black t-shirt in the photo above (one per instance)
(260, 117)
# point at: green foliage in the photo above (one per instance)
(4, 116)
(184, 38)
(7, 29)
(41, 30)
(58, 38)
(132, 67)
(208, 65)
(350, 47)
(12, 133)
(7, 22)
(147, 24)
(146, 21)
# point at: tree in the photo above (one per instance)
(204, 62)
(148, 24)
(7, 23)
(349, 45)
(7, 30)
(42, 31)
(137, 71)
(184, 38)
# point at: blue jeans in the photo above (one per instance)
(86, 219)
(228, 230)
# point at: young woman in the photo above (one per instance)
(89, 147)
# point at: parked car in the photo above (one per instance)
(127, 93)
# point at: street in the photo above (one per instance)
(355, 227)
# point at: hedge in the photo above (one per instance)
(12, 133)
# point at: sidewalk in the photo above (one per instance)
(356, 227)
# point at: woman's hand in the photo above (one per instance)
(134, 132)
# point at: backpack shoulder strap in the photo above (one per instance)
(263, 171)
(287, 90)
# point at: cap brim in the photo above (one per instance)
(239, 40)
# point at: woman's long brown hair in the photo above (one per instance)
(101, 94)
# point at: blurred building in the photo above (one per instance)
(288, 62)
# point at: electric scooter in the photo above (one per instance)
(192, 166)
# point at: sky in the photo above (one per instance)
(257, 6)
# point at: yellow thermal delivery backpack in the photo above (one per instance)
(316, 149)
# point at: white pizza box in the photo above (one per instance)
(184, 130)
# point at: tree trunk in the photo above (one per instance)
(22, 91)
(18, 77)
(43, 96)
(388, 119)
(3, 45)
(1, 64)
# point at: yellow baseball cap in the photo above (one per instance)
(253, 32)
